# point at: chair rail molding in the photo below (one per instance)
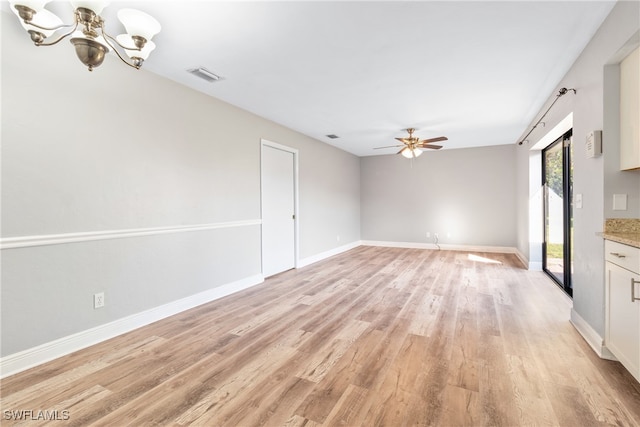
(66, 238)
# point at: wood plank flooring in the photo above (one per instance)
(373, 337)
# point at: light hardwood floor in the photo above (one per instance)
(375, 336)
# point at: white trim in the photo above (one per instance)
(324, 255)
(296, 221)
(558, 130)
(59, 239)
(278, 146)
(17, 362)
(536, 203)
(466, 248)
(591, 336)
(535, 265)
(523, 259)
(530, 265)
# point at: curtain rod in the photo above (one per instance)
(561, 93)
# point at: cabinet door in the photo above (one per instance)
(630, 111)
(623, 318)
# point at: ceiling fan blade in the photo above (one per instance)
(440, 138)
(401, 150)
(388, 146)
(433, 147)
(403, 140)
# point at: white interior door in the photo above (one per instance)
(278, 210)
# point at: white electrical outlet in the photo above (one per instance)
(98, 300)
(428, 234)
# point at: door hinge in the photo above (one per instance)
(293, 216)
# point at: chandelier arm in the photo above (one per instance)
(106, 39)
(113, 39)
(60, 38)
(56, 28)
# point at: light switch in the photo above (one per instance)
(619, 202)
(577, 201)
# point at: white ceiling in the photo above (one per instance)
(476, 72)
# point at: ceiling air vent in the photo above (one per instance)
(203, 73)
(332, 136)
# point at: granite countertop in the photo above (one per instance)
(622, 230)
(631, 239)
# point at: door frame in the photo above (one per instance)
(266, 143)
(565, 142)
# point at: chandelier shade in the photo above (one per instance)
(88, 36)
(35, 5)
(42, 19)
(138, 23)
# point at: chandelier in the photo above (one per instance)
(87, 32)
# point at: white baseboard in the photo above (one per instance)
(409, 245)
(523, 259)
(43, 353)
(324, 255)
(530, 265)
(591, 336)
(466, 248)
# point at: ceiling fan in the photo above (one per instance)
(412, 146)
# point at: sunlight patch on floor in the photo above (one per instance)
(483, 259)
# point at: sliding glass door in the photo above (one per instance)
(557, 170)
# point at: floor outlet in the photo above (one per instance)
(98, 300)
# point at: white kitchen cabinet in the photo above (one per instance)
(630, 111)
(622, 335)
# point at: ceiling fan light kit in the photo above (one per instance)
(411, 153)
(87, 32)
(412, 146)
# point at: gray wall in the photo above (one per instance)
(615, 180)
(467, 196)
(595, 178)
(119, 149)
